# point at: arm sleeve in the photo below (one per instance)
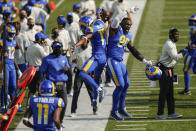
(135, 52)
(116, 21)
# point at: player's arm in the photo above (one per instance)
(56, 117)
(84, 40)
(26, 117)
(116, 22)
(137, 54)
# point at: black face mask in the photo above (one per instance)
(31, 26)
(22, 16)
(55, 35)
(57, 51)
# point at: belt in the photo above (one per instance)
(163, 67)
(59, 83)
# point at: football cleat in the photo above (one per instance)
(185, 92)
(153, 72)
(124, 112)
(116, 116)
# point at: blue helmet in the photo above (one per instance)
(56, 44)
(61, 19)
(40, 35)
(153, 72)
(31, 2)
(10, 32)
(47, 88)
(76, 6)
(192, 20)
(85, 22)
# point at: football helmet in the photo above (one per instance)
(85, 22)
(153, 72)
(10, 32)
(192, 20)
(47, 88)
(76, 6)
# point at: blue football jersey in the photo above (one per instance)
(4, 6)
(98, 40)
(10, 49)
(117, 43)
(40, 4)
(52, 66)
(43, 109)
(193, 41)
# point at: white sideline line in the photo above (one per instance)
(137, 92)
(59, 3)
(132, 86)
(138, 78)
(140, 114)
(137, 107)
(174, 120)
(131, 129)
(133, 125)
(141, 81)
(140, 117)
(130, 98)
(140, 84)
(138, 110)
(137, 71)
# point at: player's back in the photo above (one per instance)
(98, 40)
(41, 4)
(116, 44)
(43, 110)
(9, 6)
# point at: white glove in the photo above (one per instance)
(148, 63)
(1, 75)
(19, 73)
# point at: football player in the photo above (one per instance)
(190, 58)
(45, 109)
(119, 38)
(97, 35)
(10, 5)
(11, 65)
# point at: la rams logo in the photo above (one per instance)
(63, 61)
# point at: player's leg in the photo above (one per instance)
(122, 110)
(115, 72)
(187, 77)
(12, 84)
(88, 67)
(3, 89)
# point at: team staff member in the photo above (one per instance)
(55, 67)
(35, 53)
(45, 109)
(167, 61)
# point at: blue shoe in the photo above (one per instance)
(101, 95)
(116, 116)
(124, 112)
(20, 110)
(174, 116)
(94, 104)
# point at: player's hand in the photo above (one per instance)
(19, 73)
(148, 63)
(183, 51)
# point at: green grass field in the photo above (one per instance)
(141, 101)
